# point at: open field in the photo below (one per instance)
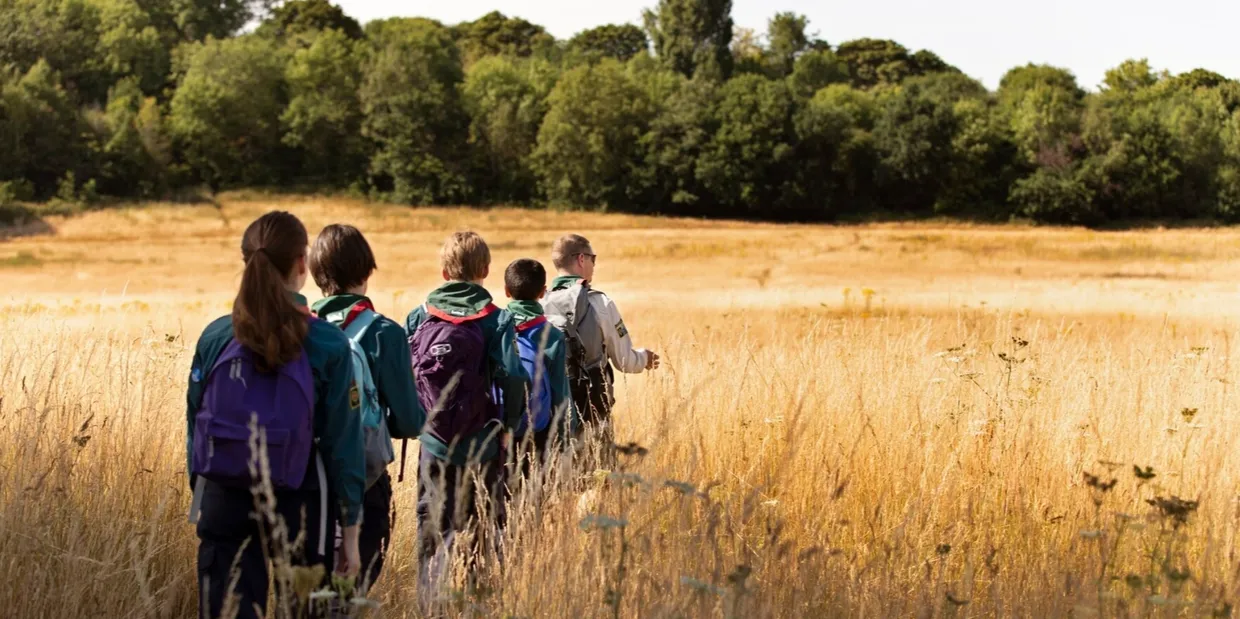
(858, 421)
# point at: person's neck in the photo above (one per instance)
(359, 291)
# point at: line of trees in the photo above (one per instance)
(686, 115)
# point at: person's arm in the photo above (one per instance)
(616, 336)
(510, 375)
(562, 406)
(193, 402)
(394, 380)
(340, 434)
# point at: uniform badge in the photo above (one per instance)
(196, 375)
(355, 396)
(621, 329)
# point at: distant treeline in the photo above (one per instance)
(687, 115)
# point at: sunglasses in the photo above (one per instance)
(593, 257)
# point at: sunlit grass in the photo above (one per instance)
(837, 432)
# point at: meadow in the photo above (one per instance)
(925, 420)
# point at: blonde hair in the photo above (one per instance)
(465, 256)
(566, 248)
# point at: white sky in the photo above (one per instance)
(984, 38)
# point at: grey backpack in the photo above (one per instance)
(569, 310)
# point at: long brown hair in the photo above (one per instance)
(264, 318)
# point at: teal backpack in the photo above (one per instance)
(379, 453)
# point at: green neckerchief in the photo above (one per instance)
(565, 281)
(524, 311)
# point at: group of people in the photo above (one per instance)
(291, 409)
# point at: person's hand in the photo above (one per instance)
(652, 360)
(349, 559)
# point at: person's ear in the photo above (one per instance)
(445, 276)
(486, 271)
(507, 292)
(301, 265)
(543, 292)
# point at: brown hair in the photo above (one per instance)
(465, 256)
(525, 279)
(568, 247)
(341, 259)
(264, 318)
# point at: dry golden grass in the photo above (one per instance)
(853, 421)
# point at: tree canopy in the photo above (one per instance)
(684, 114)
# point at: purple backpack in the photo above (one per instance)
(282, 401)
(450, 369)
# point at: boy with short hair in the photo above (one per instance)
(551, 417)
(595, 332)
(462, 347)
(341, 262)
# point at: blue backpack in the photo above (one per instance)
(531, 344)
(378, 440)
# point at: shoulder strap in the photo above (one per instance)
(357, 328)
(531, 324)
(579, 312)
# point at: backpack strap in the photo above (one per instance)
(360, 323)
(583, 306)
(531, 324)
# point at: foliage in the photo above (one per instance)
(413, 113)
(686, 116)
(225, 115)
(590, 137)
(692, 37)
(307, 16)
(611, 41)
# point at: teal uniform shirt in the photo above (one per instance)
(337, 423)
(555, 358)
(387, 352)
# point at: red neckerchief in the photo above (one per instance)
(531, 323)
(356, 311)
(456, 320)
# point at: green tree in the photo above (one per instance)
(914, 135)
(132, 148)
(1228, 202)
(815, 70)
(323, 119)
(130, 45)
(786, 40)
(1131, 75)
(495, 34)
(1020, 80)
(692, 37)
(507, 100)
(39, 128)
(183, 21)
(835, 153)
(621, 42)
(679, 134)
(750, 162)
(413, 113)
(65, 34)
(875, 61)
(589, 140)
(225, 115)
(308, 16)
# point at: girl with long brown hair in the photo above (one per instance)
(273, 433)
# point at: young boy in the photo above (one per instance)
(595, 331)
(462, 346)
(551, 417)
(341, 262)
